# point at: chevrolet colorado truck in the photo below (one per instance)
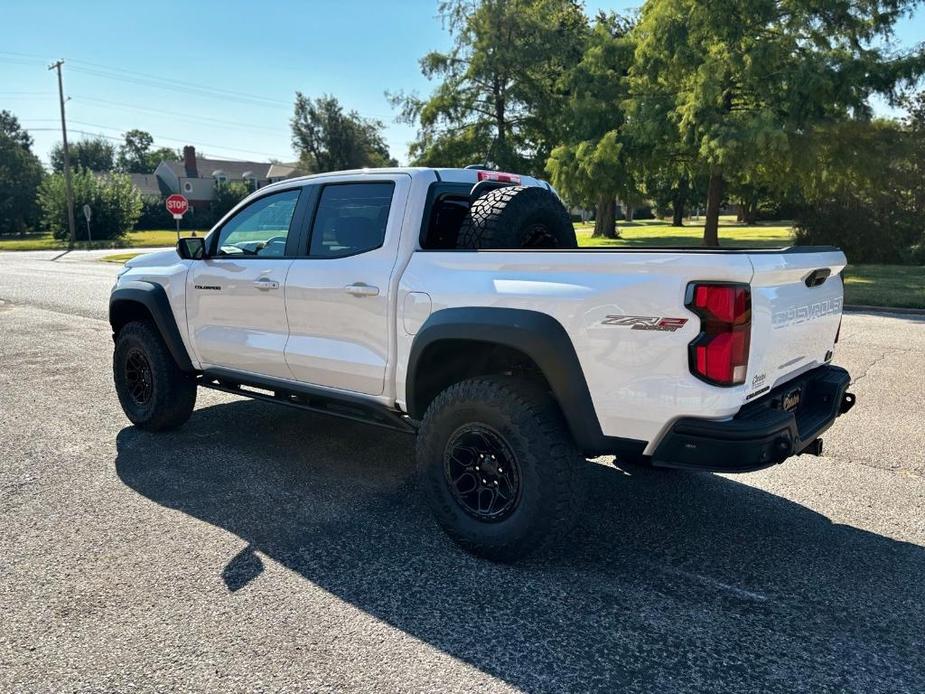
(453, 304)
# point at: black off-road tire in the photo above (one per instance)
(154, 393)
(517, 217)
(525, 418)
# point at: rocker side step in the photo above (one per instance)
(306, 397)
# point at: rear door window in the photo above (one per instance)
(351, 218)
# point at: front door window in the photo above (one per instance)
(260, 229)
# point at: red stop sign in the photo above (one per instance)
(177, 205)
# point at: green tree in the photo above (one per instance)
(915, 155)
(136, 155)
(736, 83)
(227, 195)
(499, 98)
(114, 201)
(20, 175)
(591, 167)
(96, 154)
(133, 154)
(672, 185)
(331, 139)
(864, 191)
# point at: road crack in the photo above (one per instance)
(876, 361)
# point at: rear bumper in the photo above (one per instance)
(762, 433)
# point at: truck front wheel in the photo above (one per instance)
(154, 393)
(498, 466)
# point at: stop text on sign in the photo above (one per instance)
(177, 205)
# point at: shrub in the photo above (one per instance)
(115, 204)
(154, 214)
(868, 228)
(863, 193)
(227, 195)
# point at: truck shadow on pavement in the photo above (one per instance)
(672, 581)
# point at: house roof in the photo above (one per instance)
(283, 171)
(148, 184)
(233, 170)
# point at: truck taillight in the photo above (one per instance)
(499, 176)
(719, 354)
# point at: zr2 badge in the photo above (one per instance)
(658, 323)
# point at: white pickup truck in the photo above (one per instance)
(453, 304)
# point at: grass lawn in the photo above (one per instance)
(654, 232)
(134, 239)
(119, 257)
(900, 286)
(30, 242)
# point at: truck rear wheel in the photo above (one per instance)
(498, 467)
(154, 393)
(517, 217)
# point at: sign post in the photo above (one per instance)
(177, 205)
(87, 212)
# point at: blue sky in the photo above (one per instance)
(250, 57)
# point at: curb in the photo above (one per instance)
(884, 309)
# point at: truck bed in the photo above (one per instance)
(639, 378)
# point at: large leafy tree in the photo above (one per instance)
(738, 83)
(137, 156)
(21, 174)
(95, 154)
(498, 98)
(328, 138)
(591, 167)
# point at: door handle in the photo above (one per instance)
(265, 283)
(361, 289)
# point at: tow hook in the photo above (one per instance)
(847, 402)
(815, 448)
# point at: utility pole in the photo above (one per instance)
(72, 227)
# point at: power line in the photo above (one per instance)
(170, 86)
(165, 83)
(175, 114)
(199, 145)
(173, 83)
(90, 133)
(21, 61)
(176, 139)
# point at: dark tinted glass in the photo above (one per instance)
(351, 219)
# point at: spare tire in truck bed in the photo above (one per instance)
(517, 217)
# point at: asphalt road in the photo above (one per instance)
(265, 548)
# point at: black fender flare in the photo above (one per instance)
(153, 297)
(543, 339)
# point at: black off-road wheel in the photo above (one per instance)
(517, 217)
(498, 467)
(154, 393)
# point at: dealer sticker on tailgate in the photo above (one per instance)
(792, 400)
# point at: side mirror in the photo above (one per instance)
(191, 248)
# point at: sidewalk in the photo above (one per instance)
(64, 256)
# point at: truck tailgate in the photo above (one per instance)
(796, 313)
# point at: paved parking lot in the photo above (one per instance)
(265, 548)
